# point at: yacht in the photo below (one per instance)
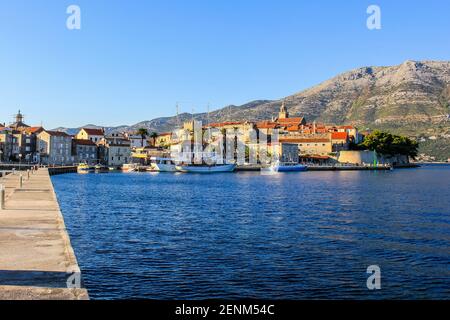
(163, 165)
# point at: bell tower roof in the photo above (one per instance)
(19, 121)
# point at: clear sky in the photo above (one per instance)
(133, 60)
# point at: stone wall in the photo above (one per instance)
(368, 157)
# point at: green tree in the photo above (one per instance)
(143, 133)
(389, 144)
(153, 136)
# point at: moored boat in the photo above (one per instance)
(206, 168)
(164, 165)
(84, 168)
(286, 167)
(129, 167)
(101, 169)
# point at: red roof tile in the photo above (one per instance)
(94, 132)
(339, 136)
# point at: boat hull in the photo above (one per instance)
(297, 168)
(161, 167)
(284, 168)
(207, 169)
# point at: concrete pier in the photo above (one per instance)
(36, 258)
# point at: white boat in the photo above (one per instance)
(164, 165)
(206, 168)
(286, 167)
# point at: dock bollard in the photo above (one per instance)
(2, 197)
(20, 181)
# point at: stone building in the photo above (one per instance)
(85, 151)
(114, 150)
(55, 148)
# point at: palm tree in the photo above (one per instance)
(143, 133)
(153, 136)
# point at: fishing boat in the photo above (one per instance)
(286, 167)
(163, 165)
(206, 169)
(84, 168)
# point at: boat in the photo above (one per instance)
(84, 168)
(129, 167)
(286, 167)
(206, 168)
(101, 169)
(163, 165)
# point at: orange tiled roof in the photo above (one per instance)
(339, 136)
(31, 130)
(94, 132)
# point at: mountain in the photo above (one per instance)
(412, 98)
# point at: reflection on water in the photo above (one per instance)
(292, 236)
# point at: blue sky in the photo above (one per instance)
(133, 60)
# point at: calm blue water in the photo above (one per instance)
(291, 236)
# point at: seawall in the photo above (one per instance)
(36, 258)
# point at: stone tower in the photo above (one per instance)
(283, 114)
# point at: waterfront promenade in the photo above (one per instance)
(36, 257)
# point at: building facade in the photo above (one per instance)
(115, 150)
(95, 135)
(85, 151)
(55, 148)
